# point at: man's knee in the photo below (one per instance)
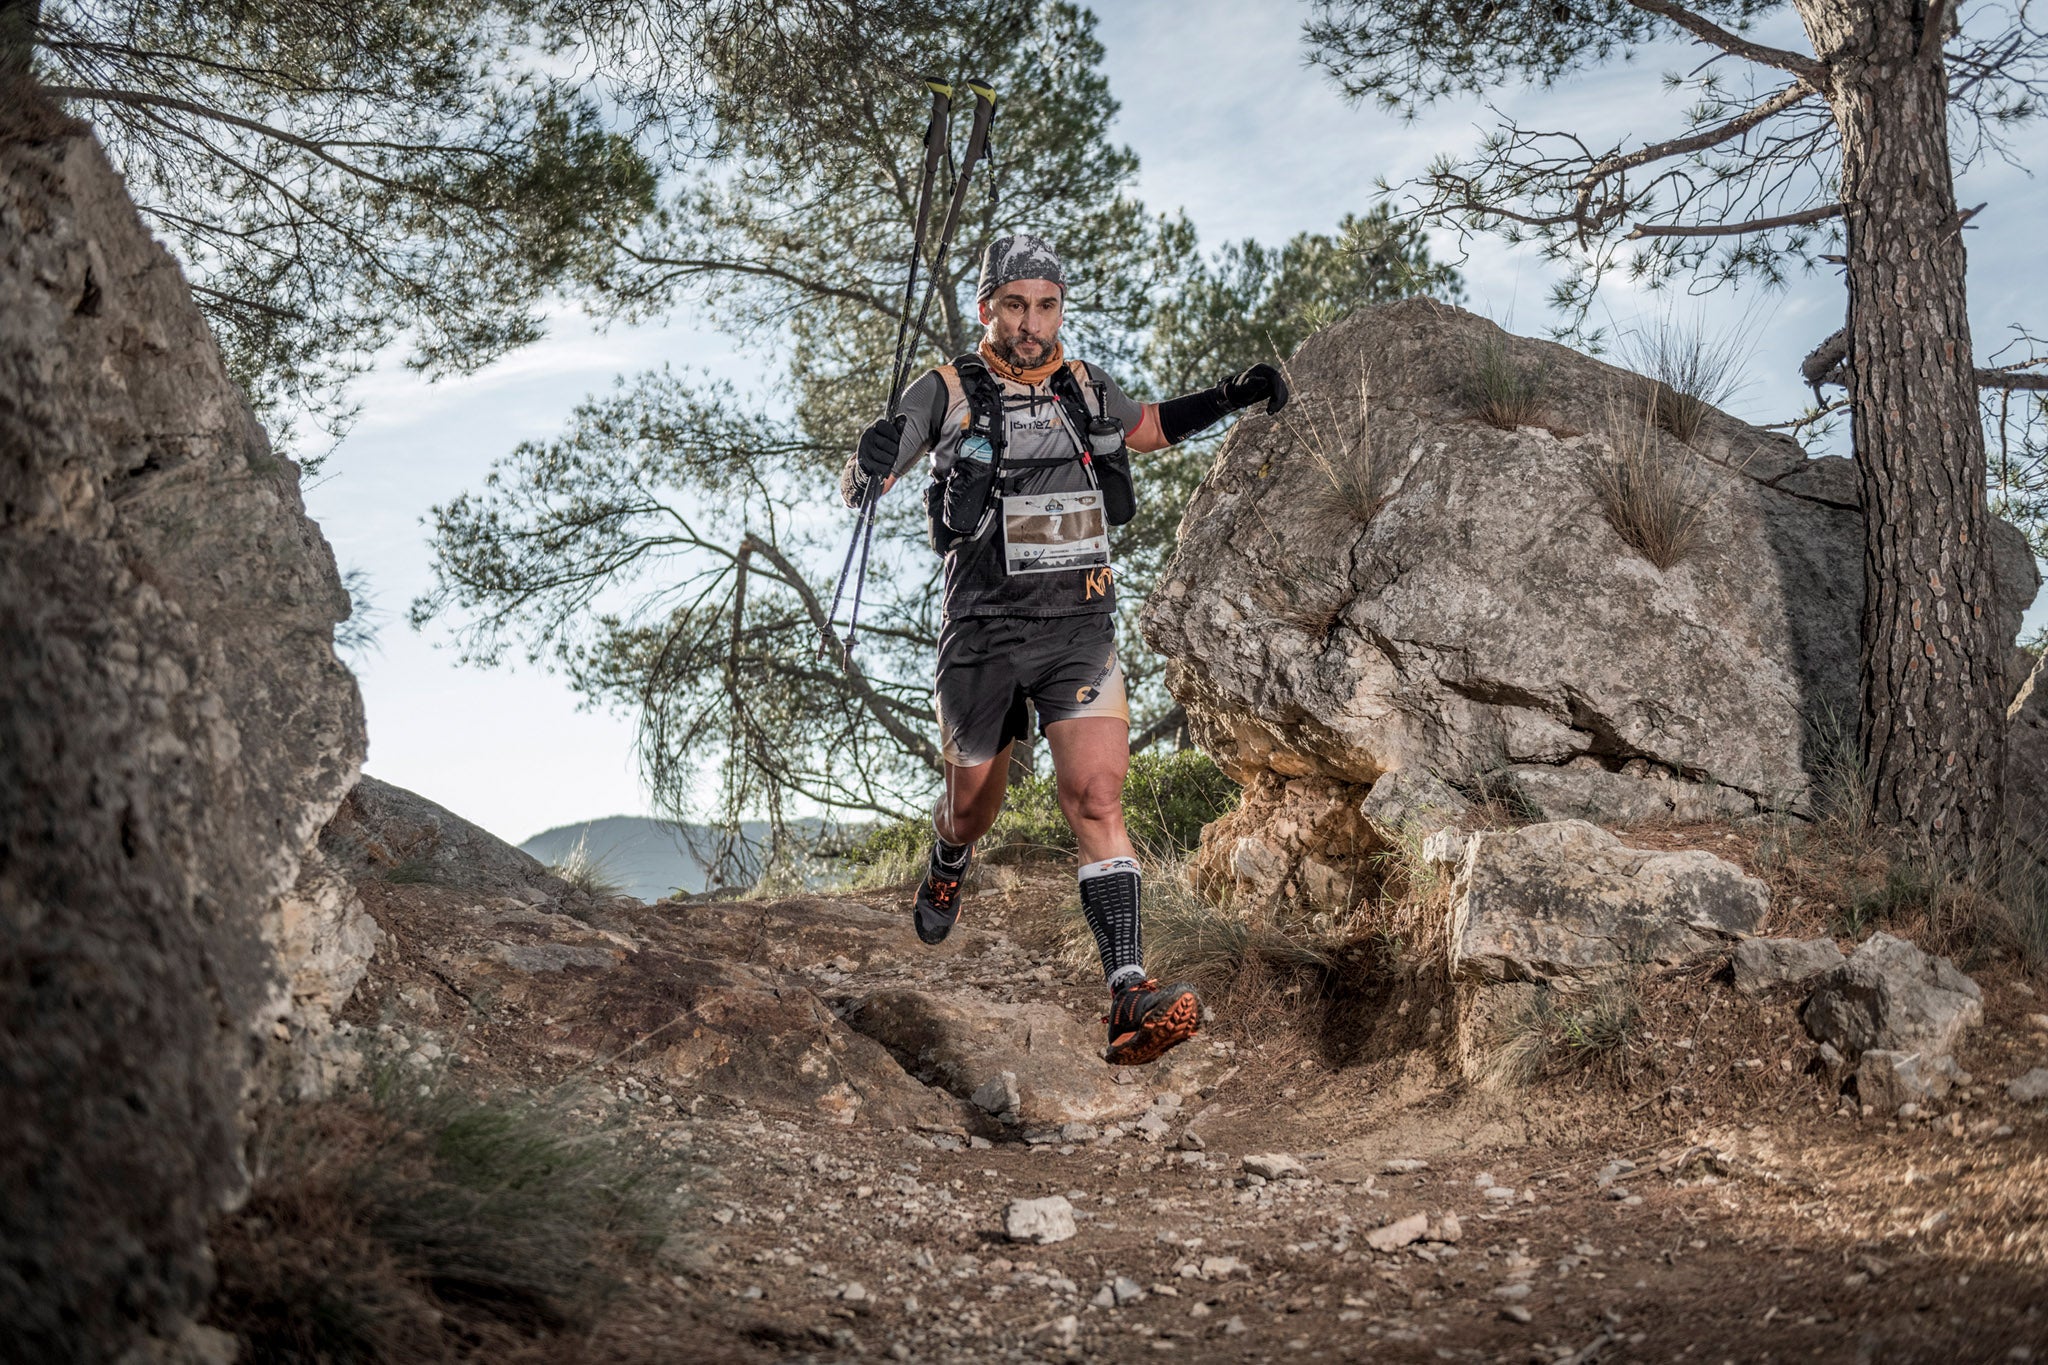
(1094, 797)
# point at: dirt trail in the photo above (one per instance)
(1706, 1201)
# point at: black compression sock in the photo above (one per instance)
(1109, 901)
(951, 857)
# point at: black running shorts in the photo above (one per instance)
(989, 666)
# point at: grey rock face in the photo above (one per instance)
(174, 730)
(1487, 614)
(2030, 1088)
(385, 830)
(1891, 996)
(2026, 765)
(1763, 964)
(1420, 802)
(1567, 903)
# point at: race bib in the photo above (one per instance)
(1053, 532)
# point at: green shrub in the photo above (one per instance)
(1168, 797)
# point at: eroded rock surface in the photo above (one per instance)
(1889, 995)
(1569, 904)
(1042, 1063)
(1763, 964)
(1487, 616)
(174, 730)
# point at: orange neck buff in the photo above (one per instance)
(1037, 374)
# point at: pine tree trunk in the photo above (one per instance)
(18, 20)
(1932, 723)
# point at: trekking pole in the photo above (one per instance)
(936, 137)
(977, 144)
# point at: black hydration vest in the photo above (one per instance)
(963, 504)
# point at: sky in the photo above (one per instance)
(1229, 126)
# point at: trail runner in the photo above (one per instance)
(1028, 471)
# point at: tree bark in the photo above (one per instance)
(18, 20)
(1931, 722)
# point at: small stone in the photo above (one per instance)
(1079, 1132)
(2038, 1022)
(1192, 1141)
(1444, 1229)
(1223, 1267)
(998, 1094)
(1235, 1327)
(1398, 1234)
(853, 1291)
(2029, 1088)
(1275, 1166)
(1062, 1331)
(1153, 1127)
(1519, 1289)
(1043, 1221)
(1104, 1298)
(1514, 1312)
(1126, 1290)
(977, 1144)
(1403, 1165)
(1499, 1194)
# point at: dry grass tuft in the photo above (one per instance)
(1689, 368)
(1360, 476)
(385, 1226)
(1654, 502)
(588, 874)
(1556, 1034)
(1502, 393)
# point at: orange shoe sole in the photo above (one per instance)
(1168, 1029)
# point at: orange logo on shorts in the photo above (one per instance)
(1087, 694)
(1097, 584)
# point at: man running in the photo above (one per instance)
(1027, 459)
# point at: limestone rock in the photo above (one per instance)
(382, 830)
(1399, 1233)
(2026, 764)
(962, 1041)
(2029, 1088)
(1487, 613)
(1568, 903)
(1303, 840)
(1407, 800)
(1886, 1080)
(1890, 995)
(1041, 1221)
(1591, 792)
(1275, 1166)
(1763, 964)
(174, 729)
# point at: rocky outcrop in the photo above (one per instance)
(2026, 765)
(174, 730)
(1375, 581)
(1568, 905)
(382, 830)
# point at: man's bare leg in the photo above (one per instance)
(969, 805)
(1091, 756)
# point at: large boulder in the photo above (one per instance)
(384, 830)
(174, 730)
(1890, 996)
(1568, 905)
(2026, 761)
(1376, 580)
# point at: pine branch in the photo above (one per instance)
(1813, 72)
(1819, 215)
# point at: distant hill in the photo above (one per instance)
(648, 858)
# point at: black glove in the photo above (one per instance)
(1259, 383)
(880, 444)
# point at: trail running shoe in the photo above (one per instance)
(1145, 1021)
(938, 898)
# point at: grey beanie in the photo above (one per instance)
(1022, 257)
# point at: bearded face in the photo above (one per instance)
(1023, 321)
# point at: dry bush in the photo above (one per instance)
(1502, 393)
(384, 1226)
(1654, 501)
(591, 875)
(1600, 1030)
(1689, 368)
(1360, 476)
